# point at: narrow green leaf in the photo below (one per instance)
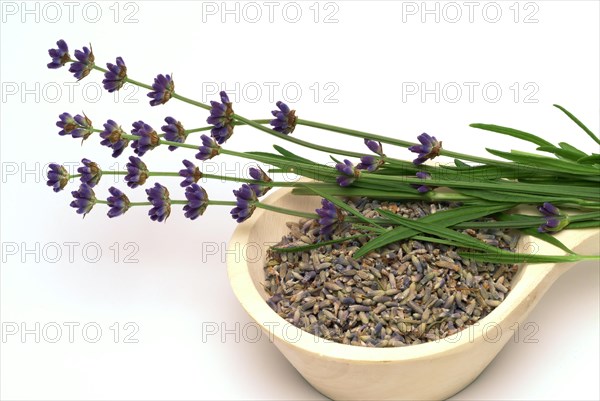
(566, 146)
(336, 190)
(291, 155)
(513, 132)
(406, 168)
(387, 186)
(316, 245)
(585, 224)
(483, 172)
(310, 170)
(390, 169)
(395, 235)
(545, 162)
(593, 159)
(435, 240)
(576, 121)
(273, 156)
(369, 228)
(446, 218)
(579, 222)
(595, 215)
(512, 197)
(496, 185)
(558, 181)
(516, 258)
(504, 220)
(547, 238)
(567, 154)
(442, 232)
(461, 164)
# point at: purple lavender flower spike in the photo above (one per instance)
(374, 147)
(258, 174)
(197, 201)
(429, 148)
(422, 188)
(112, 138)
(164, 87)
(118, 202)
(549, 226)
(555, 220)
(221, 116)
(148, 138)
(90, 172)
(369, 163)
(174, 132)
(58, 177)
(137, 172)
(285, 119)
(85, 199)
(60, 56)
(159, 197)
(548, 209)
(114, 78)
(209, 148)
(84, 64)
(190, 173)
(67, 123)
(85, 125)
(78, 126)
(245, 198)
(349, 173)
(329, 217)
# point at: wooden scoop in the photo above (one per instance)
(429, 371)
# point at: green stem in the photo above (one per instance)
(187, 132)
(103, 202)
(190, 101)
(260, 158)
(431, 196)
(257, 204)
(354, 133)
(246, 121)
(222, 203)
(210, 202)
(231, 203)
(140, 204)
(333, 128)
(142, 85)
(297, 141)
(249, 181)
(509, 186)
(110, 172)
(398, 142)
(163, 142)
(286, 211)
(162, 174)
(208, 176)
(127, 79)
(191, 131)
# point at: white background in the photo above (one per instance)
(177, 285)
